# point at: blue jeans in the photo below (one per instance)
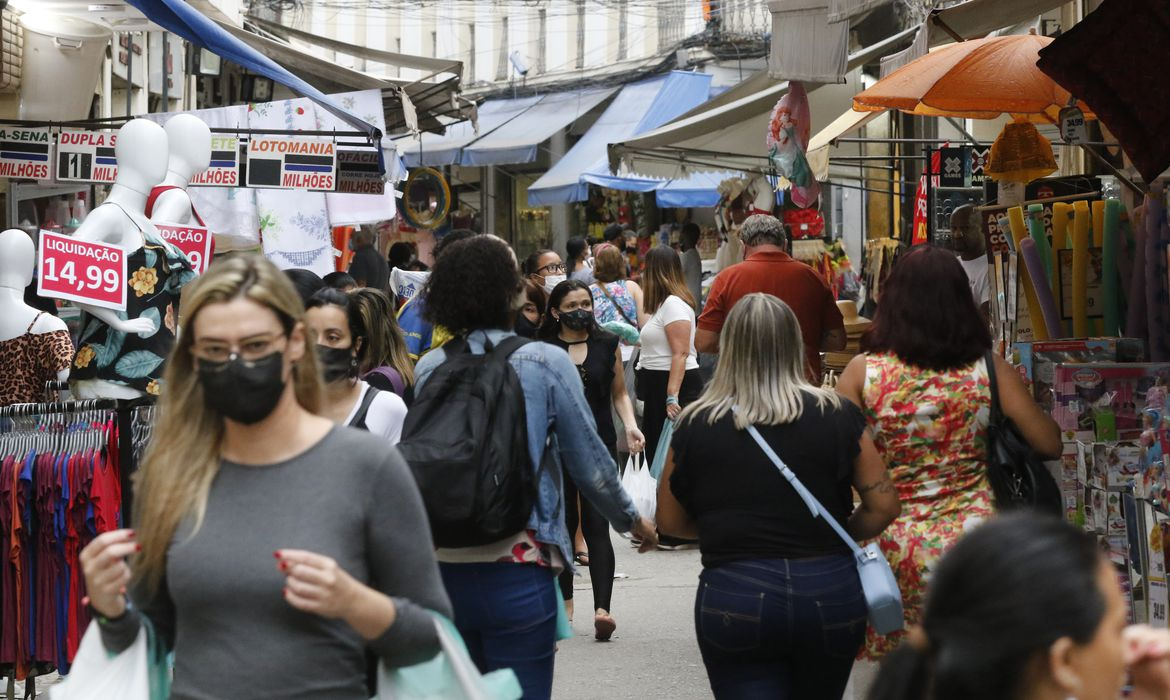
(780, 628)
(507, 615)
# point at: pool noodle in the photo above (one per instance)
(1040, 238)
(1135, 318)
(1097, 325)
(1080, 270)
(1047, 304)
(1109, 244)
(1157, 314)
(1019, 233)
(1062, 214)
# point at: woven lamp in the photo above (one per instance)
(1020, 154)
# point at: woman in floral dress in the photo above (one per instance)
(923, 387)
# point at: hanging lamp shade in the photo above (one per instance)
(1020, 154)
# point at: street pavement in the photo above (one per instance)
(653, 654)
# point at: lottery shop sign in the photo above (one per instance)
(292, 164)
(87, 156)
(194, 241)
(224, 168)
(24, 153)
(87, 272)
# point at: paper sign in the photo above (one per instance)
(24, 153)
(86, 156)
(84, 271)
(194, 241)
(357, 172)
(224, 170)
(292, 164)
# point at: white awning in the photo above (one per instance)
(821, 143)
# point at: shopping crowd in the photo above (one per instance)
(324, 481)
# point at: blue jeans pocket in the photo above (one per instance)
(843, 626)
(730, 621)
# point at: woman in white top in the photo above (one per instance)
(668, 366)
(342, 341)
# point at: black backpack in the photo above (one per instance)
(466, 441)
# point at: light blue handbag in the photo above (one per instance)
(877, 578)
(451, 675)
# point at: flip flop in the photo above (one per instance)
(603, 627)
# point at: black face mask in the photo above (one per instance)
(577, 320)
(336, 363)
(524, 327)
(245, 392)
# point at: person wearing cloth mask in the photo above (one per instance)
(336, 323)
(531, 314)
(545, 268)
(241, 468)
(570, 325)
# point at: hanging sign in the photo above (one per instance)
(921, 228)
(1072, 125)
(86, 156)
(194, 241)
(292, 164)
(224, 170)
(88, 272)
(24, 153)
(358, 172)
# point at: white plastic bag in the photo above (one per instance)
(97, 675)
(641, 487)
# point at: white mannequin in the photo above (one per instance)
(18, 259)
(190, 154)
(142, 152)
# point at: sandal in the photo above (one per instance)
(582, 558)
(603, 626)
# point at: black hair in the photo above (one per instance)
(328, 296)
(997, 601)
(528, 267)
(575, 247)
(549, 326)
(400, 254)
(690, 232)
(473, 285)
(339, 280)
(613, 232)
(453, 236)
(307, 282)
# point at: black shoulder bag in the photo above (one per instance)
(1017, 474)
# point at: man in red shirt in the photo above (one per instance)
(769, 269)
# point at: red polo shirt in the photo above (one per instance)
(796, 284)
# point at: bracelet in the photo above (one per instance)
(672, 401)
(102, 619)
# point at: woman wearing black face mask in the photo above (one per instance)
(569, 324)
(532, 312)
(241, 468)
(336, 323)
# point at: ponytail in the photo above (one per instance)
(905, 675)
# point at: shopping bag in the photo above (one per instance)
(138, 673)
(641, 487)
(451, 675)
(662, 449)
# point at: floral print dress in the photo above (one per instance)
(931, 429)
(157, 272)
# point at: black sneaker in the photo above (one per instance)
(676, 544)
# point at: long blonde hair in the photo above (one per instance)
(662, 278)
(761, 368)
(183, 457)
(384, 340)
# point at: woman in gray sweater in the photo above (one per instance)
(268, 538)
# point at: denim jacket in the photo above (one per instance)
(557, 415)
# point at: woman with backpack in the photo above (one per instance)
(569, 324)
(504, 589)
(334, 321)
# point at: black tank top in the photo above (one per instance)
(597, 376)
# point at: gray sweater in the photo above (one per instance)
(221, 607)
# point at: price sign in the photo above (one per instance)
(24, 153)
(83, 271)
(224, 170)
(292, 164)
(194, 241)
(86, 156)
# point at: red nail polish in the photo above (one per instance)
(283, 566)
(131, 533)
(137, 548)
(276, 554)
(285, 592)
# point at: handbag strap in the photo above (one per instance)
(996, 412)
(810, 500)
(601, 286)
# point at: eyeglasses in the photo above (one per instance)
(251, 350)
(552, 267)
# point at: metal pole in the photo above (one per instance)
(129, 73)
(166, 74)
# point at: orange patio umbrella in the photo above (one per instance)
(977, 79)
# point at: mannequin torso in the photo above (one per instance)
(47, 350)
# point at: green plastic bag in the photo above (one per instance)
(660, 451)
(451, 675)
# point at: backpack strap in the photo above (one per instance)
(359, 418)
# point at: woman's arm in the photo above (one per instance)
(625, 407)
(107, 574)
(1037, 427)
(879, 499)
(851, 383)
(671, 517)
(636, 292)
(678, 334)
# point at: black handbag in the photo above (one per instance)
(1017, 474)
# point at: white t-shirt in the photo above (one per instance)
(655, 347)
(978, 278)
(386, 414)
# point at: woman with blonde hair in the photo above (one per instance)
(386, 364)
(242, 469)
(779, 612)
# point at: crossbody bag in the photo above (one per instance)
(882, 595)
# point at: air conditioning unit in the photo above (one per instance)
(11, 52)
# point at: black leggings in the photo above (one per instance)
(601, 558)
(652, 391)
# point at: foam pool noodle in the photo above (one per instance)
(1062, 216)
(1019, 233)
(1046, 303)
(1040, 238)
(1080, 270)
(1109, 245)
(1098, 208)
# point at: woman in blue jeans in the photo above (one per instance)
(779, 612)
(504, 593)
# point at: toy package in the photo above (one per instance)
(1037, 360)
(1111, 401)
